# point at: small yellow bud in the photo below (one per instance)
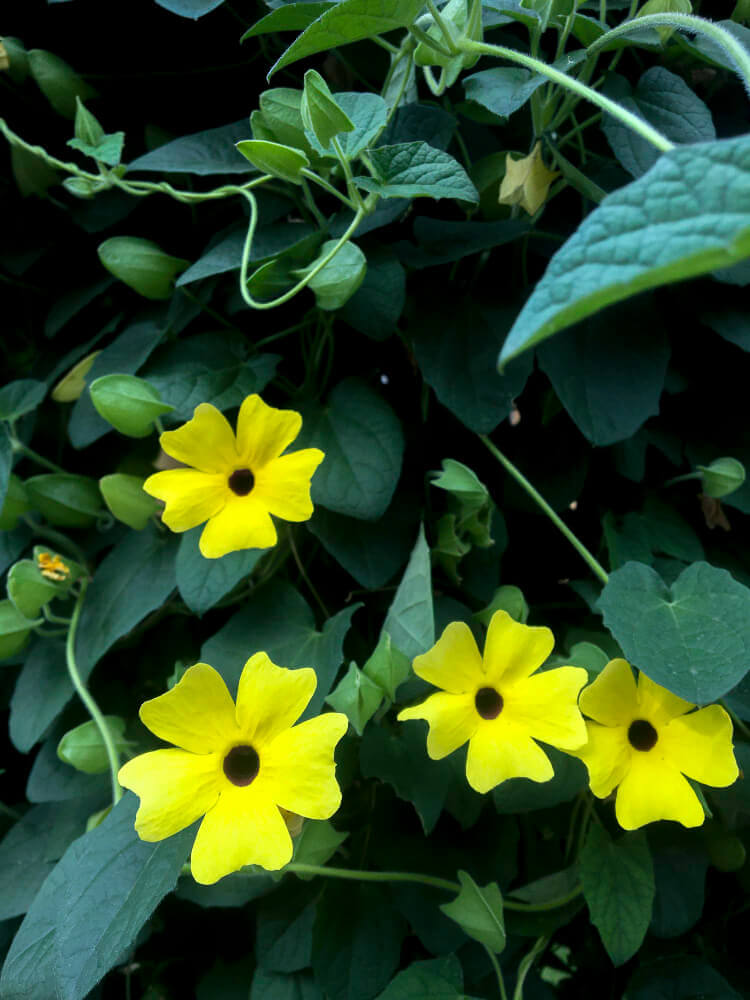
(52, 567)
(70, 387)
(527, 181)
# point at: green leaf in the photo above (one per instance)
(42, 691)
(21, 396)
(441, 241)
(64, 499)
(357, 696)
(290, 17)
(416, 170)
(14, 630)
(456, 345)
(84, 749)
(129, 403)
(368, 114)
(321, 113)
(438, 979)
(141, 264)
(210, 152)
(126, 500)
(506, 598)
(274, 158)
(335, 283)
(6, 464)
(135, 578)
(108, 151)
(692, 638)
(521, 795)
(673, 223)
(618, 884)
(680, 865)
(50, 780)
(682, 977)
(478, 910)
(16, 502)
(30, 849)
(279, 119)
(226, 254)
(284, 923)
(29, 590)
(388, 667)
(609, 371)
(299, 986)
(202, 582)
(278, 620)
(111, 882)
(356, 941)
(59, 83)
(363, 444)
(505, 89)
(410, 621)
(349, 21)
(376, 306)
(666, 102)
(86, 126)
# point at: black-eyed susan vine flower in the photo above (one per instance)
(244, 768)
(495, 703)
(235, 483)
(644, 740)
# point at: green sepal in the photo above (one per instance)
(126, 500)
(29, 590)
(722, 477)
(335, 283)
(320, 112)
(84, 749)
(357, 696)
(141, 264)
(128, 403)
(273, 158)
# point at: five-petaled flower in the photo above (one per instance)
(644, 739)
(495, 703)
(243, 768)
(235, 483)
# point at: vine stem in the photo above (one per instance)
(498, 972)
(57, 538)
(538, 499)
(93, 709)
(687, 22)
(17, 445)
(632, 121)
(525, 964)
(358, 875)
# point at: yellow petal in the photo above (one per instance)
(205, 442)
(546, 706)
(197, 714)
(299, 768)
(453, 663)
(657, 704)
(283, 486)
(244, 523)
(700, 745)
(512, 650)
(452, 718)
(263, 432)
(498, 751)
(270, 699)
(612, 699)
(606, 755)
(244, 828)
(653, 789)
(191, 497)
(175, 788)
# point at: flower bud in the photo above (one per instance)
(722, 477)
(70, 386)
(84, 749)
(128, 403)
(126, 500)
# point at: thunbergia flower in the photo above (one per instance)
(235, 483)
(496, 704)
(244, 768)
(644, 740)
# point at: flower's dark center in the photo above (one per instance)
(642, 735)
(489, 703)
(241, 765)
(241, 482)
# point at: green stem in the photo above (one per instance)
(498, 972)
(303, 574)
(687, 22)
(578, 545)
(578, 129)
(683, 478)
(310, 202)
(55, 619)
(570, 83)
(17, 445)
(444, 29)
(351, 187)
(312, 176)
(525, 964)
(93, 709)
(57, 538)
(307, 278)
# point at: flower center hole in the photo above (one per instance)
(642, 735)
(241, 482)
(489, 703)
(241, 765)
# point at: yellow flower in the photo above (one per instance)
(235, 483)
(244, 768)
(527, 181)
(644, 740)
(52, 567)
(496, 704)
